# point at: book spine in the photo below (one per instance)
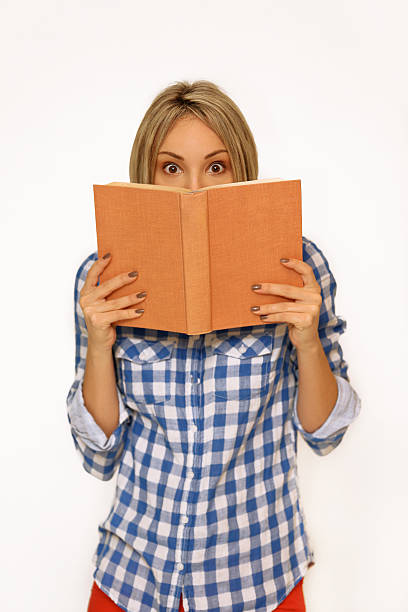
(196, 261)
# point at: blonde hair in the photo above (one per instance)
(209, 103)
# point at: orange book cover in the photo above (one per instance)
(199, 252)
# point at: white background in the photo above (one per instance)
(323, 86)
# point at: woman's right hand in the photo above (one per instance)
(98, 312)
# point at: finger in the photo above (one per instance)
(302, 294)
(305, 271)
(301, 320)
(123, 315)
(96, 292)
(94, 271)
(119, 303)
(282, 307)
(107, 287)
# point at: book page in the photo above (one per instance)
(183, 190)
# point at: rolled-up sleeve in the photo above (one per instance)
(344, 412)
(85, 426)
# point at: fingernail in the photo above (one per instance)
(263, 317)
(106, 256)
(134, 273)
(283, 260)
(142, 294)
(254, 308)
(256, 286)
(139, 310)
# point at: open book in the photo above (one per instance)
(199, 252)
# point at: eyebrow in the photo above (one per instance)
(182, 158)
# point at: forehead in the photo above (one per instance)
(190, 134)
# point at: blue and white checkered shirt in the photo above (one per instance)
(207, 497)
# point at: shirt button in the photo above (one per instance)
(191, 376)
(242, 349)
(180, 566)
(184, 519)
(190, 474)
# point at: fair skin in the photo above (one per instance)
(192, 140)
(195, 157)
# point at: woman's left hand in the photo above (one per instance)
(302, 316)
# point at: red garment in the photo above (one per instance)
(100, 602)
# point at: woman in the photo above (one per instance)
(207, 507)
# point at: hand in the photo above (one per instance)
(100, 314)
(302, 316)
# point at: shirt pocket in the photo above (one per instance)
(144, 369)
(243, 366)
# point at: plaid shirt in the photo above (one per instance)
(207, 498)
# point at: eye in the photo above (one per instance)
(218, 163)
(169, 165)
(174, 165)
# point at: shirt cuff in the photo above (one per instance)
(85, 426)
(345, 410)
